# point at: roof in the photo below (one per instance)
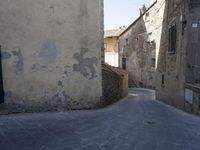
(113, 32)
(129, 27)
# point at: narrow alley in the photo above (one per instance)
(138, 122)
(100, 75)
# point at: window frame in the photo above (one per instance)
(153, 62)
(172, 43)
(127, 41)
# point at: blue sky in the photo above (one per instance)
(121, 12)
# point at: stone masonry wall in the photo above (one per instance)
(115, 84)
(170, 72)
(140, 45)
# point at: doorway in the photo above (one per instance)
(124, 63)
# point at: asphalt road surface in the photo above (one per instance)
(136, 123)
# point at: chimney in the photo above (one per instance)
(143, 9)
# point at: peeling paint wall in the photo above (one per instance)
(140, 46)
(51, 54)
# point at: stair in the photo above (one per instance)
(131, 83)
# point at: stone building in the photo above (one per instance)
(111, 46)
(139, 45)
(51, 54)
(178, 71)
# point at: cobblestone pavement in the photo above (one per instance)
(135, 123)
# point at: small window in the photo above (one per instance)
(147, 17)
(124, 63)
(127, 41)
(163, 79)
(153, 62)
(172, 39)
(153, 45)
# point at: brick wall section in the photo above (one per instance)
(115, 84)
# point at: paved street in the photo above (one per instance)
(136, 123)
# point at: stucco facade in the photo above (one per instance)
(51, 54)
(178, 73)
(111, 46)
(139, 45)
(111, 51)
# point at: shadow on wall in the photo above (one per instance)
(161, 63)
(161, 58)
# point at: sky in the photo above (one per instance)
(118, 13)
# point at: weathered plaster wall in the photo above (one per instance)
(192, 100)
(176, 69)
(140, 46)
(112, 58)
(193, 52)
(134, 47)
(110, 44)
(51, 53)
(111, 51)
(170, 65)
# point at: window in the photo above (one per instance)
(153, 45)
(153, 62)
(124, 63)
(163, 79)
(172, 39)
(127, 41)
(147, 17)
